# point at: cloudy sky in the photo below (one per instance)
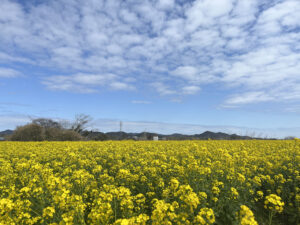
(209, 63)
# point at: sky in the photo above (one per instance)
(157, 65)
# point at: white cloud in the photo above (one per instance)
(279, 20)
(190, 90)
(121, 86)
(244, 47)
(193, 74)
(248, 97)
(129, 17)
(205, 12)
(85, 83)
(67, 52)
(165, 4)
(162, 89)
(4, 58)
(93, 79)
(186, 72)
(9, 73)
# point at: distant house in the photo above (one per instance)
(157, 138)
(2, 139)
(135, 138)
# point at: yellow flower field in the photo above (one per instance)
(167, 182)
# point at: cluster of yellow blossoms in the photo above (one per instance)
(246, 216)
(144, 182)
(273, 202)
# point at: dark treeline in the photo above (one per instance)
(44, 129)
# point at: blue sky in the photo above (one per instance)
(162, 65)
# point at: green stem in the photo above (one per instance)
(115, 209)
(270, 217)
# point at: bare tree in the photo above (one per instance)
(46, 123)
(252, 134)
(80, 123)
(66, 124)
(259, 135)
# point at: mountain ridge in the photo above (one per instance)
(120, 135)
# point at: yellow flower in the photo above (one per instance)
(162, 213)
(234, 193)
(205, 216)
(6, 205)
(241, 178)
(215, 190)
(274, 203)
(116, 181)
(174, 183)
(246, 216)
(48, 212)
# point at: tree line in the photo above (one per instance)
(45, 129)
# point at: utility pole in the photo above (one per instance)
(121, 126)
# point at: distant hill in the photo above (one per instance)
(94, 135)
(176, 136)
(220, 136)
(6, 132)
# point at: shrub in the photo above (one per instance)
(69, 135)
(35, 132)
(30, 132)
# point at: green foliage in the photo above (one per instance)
(30, 132)
(35, 132)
